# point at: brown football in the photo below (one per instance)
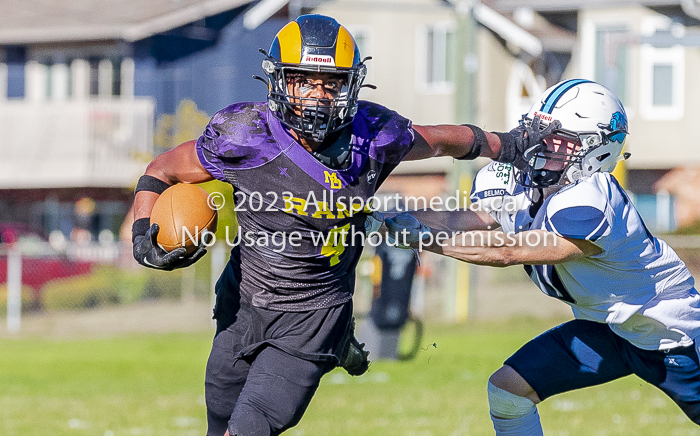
(183, 213)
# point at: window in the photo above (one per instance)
(661, 74)
(363, 39)
(49, 80)
(662, 85)
(436, 58)
(611, 59)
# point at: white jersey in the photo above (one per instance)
(637, 285)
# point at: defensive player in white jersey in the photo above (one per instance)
(581, 240)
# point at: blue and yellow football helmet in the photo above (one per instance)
(313, 44)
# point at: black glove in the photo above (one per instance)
(148, 253)
(520, 144)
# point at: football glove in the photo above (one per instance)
(353, 357)
(520, 144)
(148, 253)
(404, 229)
(373, 222)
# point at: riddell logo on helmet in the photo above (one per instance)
(318, 60)
(544, 117)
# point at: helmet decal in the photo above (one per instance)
(618, 122)
(552, 99)
(345, 54)
(287, 44)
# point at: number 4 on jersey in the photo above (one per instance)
(334, 245)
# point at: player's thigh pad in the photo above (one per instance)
(503, 404)
(279, 388)
(571, 356)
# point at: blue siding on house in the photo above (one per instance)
(214, 71)
(15, 58)
(210, 61)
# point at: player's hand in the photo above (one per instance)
(373, 222)
(148, 253)
(527, 141)
(404, 229)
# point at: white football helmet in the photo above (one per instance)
(592, 134)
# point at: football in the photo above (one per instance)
(183, 214)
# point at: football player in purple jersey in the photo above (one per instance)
(307, 154)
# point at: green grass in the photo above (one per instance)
(153, 385)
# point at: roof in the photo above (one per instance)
(571, 5)
(36, 21)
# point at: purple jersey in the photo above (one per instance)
(301, 230)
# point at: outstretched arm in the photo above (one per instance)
(456, 220)
(490, 247)
(451, 140)
(496, 248)
(469, 142)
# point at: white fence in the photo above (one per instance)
(103, 143)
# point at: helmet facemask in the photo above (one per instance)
(566, 157)
(311, 117)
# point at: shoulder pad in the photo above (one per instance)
(578, 212)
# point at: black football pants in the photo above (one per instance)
(263, 397)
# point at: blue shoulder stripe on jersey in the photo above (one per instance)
(579, 222)
(547, 226)
(555, 95)
(600, 232)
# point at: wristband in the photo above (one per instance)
(140, 227)
(479, 141)
(508, 147)
(151, 184)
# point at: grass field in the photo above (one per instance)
(153, 385)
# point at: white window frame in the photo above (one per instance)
(35, 78)
(651, 56)
(422, 84)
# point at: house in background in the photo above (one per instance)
(510, 51)
(85, 87)
(648, 52)
(81, 85)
